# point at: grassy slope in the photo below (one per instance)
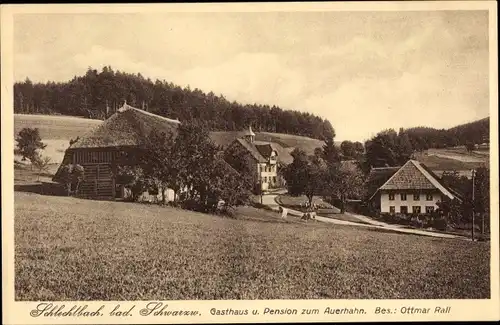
(285, 140)
(55, 127)
(96, 250)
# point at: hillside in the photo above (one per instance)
(56, 131)
(80, 247)
(98, 94)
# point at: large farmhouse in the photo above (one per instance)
(412, 188)
(113, 143)
(261, 158)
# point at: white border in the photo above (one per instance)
(462, 310)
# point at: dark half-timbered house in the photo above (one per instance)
(115, 142)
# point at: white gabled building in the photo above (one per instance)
(413, 188)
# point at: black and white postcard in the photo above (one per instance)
(250, 162)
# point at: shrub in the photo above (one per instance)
(133, 178)
(439, 223)
(72, 176)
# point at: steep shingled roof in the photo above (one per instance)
(414, 176)
(127, 127)
(377, 177)
(261, 151)
(252, 149)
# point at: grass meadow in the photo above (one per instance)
(76, 249)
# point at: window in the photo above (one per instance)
(429, 209)
(416, 209)
(391, 196)
(392, 209)
(416, 197)
(429, 197)
(403, 196)
(274, 179)
(265, 179)
(403, 209)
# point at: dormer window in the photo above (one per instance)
(274, 156)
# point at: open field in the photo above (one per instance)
(75, 249)
(55, 131)
(460, 154)
(55, 127)
(453, 159)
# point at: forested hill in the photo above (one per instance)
(474, 132)
(90, 96)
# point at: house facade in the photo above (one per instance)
(410, 189)
(262, 159)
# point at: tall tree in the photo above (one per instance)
(381, 150)
(344, 182)
(482, 196)
(348, 149)
(160, 163)
(331, 153)
(305, 175)
(29, 142)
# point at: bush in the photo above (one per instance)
(153, 190)
(192, 204)
(439, 224)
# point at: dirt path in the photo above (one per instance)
(270, 200)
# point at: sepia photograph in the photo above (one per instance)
(252, 155)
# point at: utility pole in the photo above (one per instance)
(473, 212)
(261, 190)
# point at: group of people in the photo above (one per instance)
(306, 216)
(308, 206)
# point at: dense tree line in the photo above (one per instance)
(97, 94)
(423, 138)
(391, 148)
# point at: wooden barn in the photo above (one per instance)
(113, 143)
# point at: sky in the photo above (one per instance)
(363, 71)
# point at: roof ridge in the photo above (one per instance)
(127, 107)
(380, 168)
(432, 179)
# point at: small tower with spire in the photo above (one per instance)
(249, 135)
